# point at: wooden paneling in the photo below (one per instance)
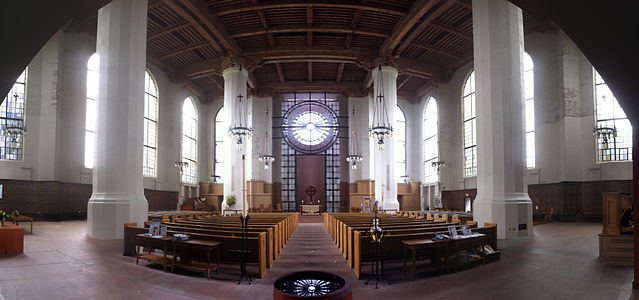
(408, 195)
(53, 200)
(454, 200)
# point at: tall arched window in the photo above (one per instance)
(12, 111)
(609, 114)
(221, 130)
(189, 141)
(470, 126)
(399, 133)
(431, 141)
(150, 156)
(529, 110)
(91, 110)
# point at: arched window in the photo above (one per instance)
(189, 141)
(431, 141)
(529, 110)
(609, 114)
(470, 126)
(150, 156)
(12, 111)
(399, 133)
(221, 130)
(91, 110)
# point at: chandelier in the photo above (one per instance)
(239, 130)
(381, 127)
(438, 164)
(181, 165)
(605, 133)
(11, 130)
(266, 158)
(354, 157)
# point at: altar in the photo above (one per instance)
(310, 210)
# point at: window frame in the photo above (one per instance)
(192, 167)
(155, 122)
(428, 140)
(404, 163)
(23, 120)
(615, 120)
(473, 123)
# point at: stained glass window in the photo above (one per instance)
(470, 126)
(12, 111)
(608, 113)
(189, 141)
(431, 142)
(150, 155)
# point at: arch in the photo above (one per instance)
(189, 141)
(221, 131)
(93, 65)
(469, 125)
(12, 114)
(529, 109)
(399, 134)
(608, 113)
(150, 144)
(430, 131)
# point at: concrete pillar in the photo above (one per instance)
(385, 181)
(234, 85)
(118, 193)
(498, 47)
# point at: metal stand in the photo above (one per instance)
(244, 252)
(377, 266)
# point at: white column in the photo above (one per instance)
(498, 47)
(385, 181)
(234, 85)
(118, 193)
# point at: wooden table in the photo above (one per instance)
(310, 209)
(152, 243)
(21, 218)
(181, 246)
(11, 239)
(414, 245)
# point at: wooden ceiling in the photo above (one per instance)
(309, 45)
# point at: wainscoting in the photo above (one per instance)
(53, 200)
(571, 201)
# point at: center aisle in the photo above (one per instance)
(310, 248)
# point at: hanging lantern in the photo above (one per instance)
(381, 128)
(266, 158)
(605, 134)
(375, 231)
(354, 157)
(12, 129)
(239, 130)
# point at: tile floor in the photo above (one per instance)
(61, 262)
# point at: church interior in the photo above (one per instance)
(294, 149)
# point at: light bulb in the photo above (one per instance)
(354, 166)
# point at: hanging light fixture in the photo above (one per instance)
(239, 129)
(181, 165)
(354, 157)
(381, 127)
(606, 134)
(266, 158)
(11, 130)
(438, 164)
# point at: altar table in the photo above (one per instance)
(310, 209)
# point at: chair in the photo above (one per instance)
(455, 218)
(131, 224)
(486, 224)
(420, 216)
(429, 217)
(444, 218)
(470, 223)
(548, 216)
(278, 207)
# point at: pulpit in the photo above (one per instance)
(11, 239)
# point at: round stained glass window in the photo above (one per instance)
(310, 127)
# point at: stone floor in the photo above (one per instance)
(61, 262)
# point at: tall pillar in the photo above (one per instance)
(234, 85)
(118, 191)
(385, 181)
(498, 46)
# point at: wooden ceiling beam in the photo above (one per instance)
(213, 24)
(347, 4)
(184, 49)
(260, 13)
(155, 4)
(280, 73)
(340, 70)
(418, 9)
(178, 9)
(309, 68)
(349, 36)
(339, 51)
(309, 59)
(166, 30)
(455, 31)
(424, 89)
(317, 86)
(217, 84)
(432, 16)
(419, 69)
(201, 68)
(304, 29)
(434, 49)
(403, 82)
(252, 81)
